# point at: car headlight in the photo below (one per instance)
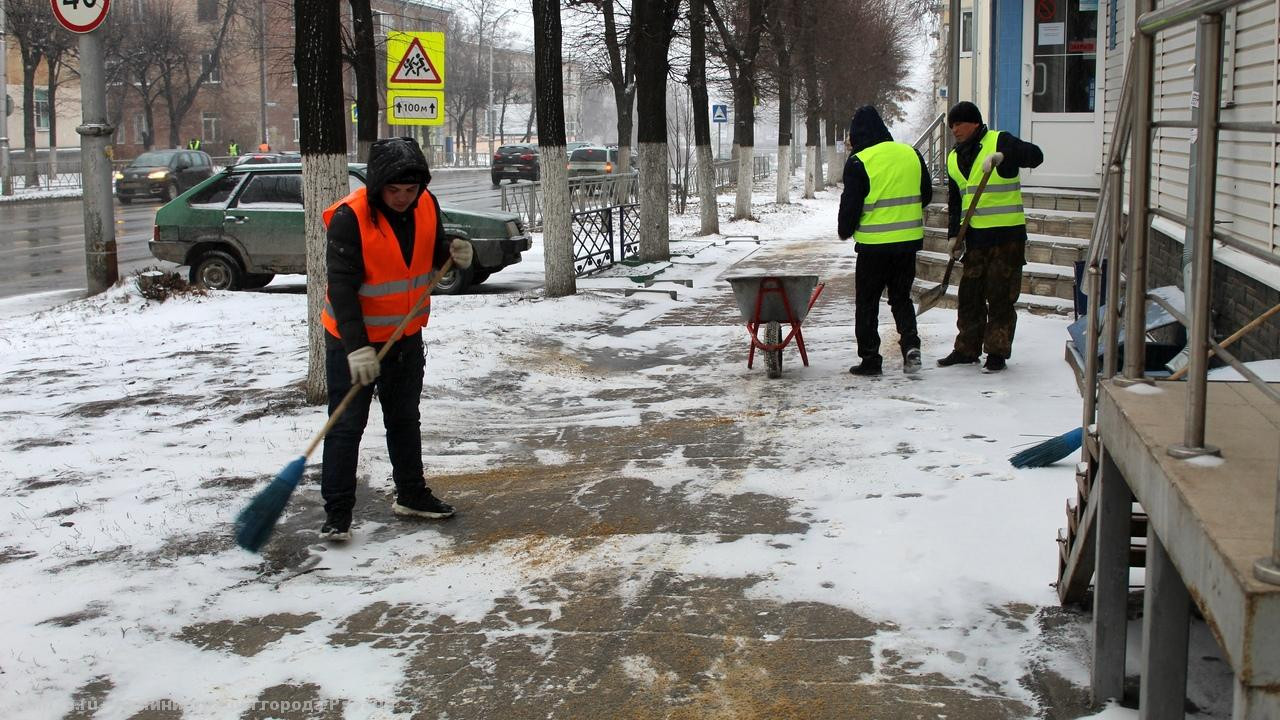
(158, 175)
(119, 176)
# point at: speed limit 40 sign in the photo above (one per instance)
(80, 16)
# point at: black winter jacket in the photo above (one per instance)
(1017, 154)
(866, 130)
(390, 161)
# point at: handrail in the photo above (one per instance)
(1180, 13)
(934, 136)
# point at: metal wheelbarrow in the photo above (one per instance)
(772, 300)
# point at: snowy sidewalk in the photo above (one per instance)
(646, 528)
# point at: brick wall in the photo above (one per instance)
(1237, 299)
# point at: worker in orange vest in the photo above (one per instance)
(263, 147)
(384, 241)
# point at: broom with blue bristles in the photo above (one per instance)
(1050, 451)
(256, 521)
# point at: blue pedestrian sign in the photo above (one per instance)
(720, 113)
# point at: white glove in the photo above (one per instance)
(461, 252)
(991, 161)
(364, 365)
(957, 248)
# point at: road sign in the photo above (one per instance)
(422, 107)
(80, 16)
(720, 113)
(415, 61)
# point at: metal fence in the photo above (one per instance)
(932, 146)
(604, 236)
(585, 194)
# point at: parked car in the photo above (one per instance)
(592, 161)
(515, 162)
(241, 227)
(162, 174)
(262, 158)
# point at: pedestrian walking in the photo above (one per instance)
(233, 149)
(384, 241)
(994, 248)
(886, 187)
(193, 144)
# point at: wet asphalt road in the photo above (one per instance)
(42, 242)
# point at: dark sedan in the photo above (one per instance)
(163, 174)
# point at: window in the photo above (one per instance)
(206, 10)
(354, 182)
(272, 188)
(297, 129)
(1065, 57)
(218, 192)
(966, 32)
(213, 71)
(140, 130)
(42, 109)
(209, 123)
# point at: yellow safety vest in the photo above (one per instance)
(1001, 201)
(891, 212)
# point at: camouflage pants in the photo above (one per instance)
(990, 285)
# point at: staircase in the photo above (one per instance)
(1059, 223)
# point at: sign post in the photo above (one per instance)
(415, 78)
(83, 17)
(719, 116)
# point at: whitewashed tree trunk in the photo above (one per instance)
(655, 231)
(624, 159)
(557, 222)
(709, 214)
(324, 182)
(810, 170)
(834, 169)
(818, 162)
(784, 174)
(362, 150)
(742, 208)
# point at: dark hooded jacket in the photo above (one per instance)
(1017, 154)
(868, 129)
(391, 161)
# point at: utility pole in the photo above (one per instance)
(5, 181)
(262, 74)
(95, 136)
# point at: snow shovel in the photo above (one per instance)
(256, 521)
(929, 298)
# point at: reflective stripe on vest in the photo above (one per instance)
(891, 212)
(390, 288)
(1001, 201)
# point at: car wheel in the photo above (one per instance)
(479, 276)
(124, 199)
(170, 191)
(217, 270)
(253, 281)
(454, 282)
(495, 180)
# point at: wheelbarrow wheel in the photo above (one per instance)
(773, 358)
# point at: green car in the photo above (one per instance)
(242, 226)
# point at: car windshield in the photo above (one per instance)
(589, 155)
(152, 158)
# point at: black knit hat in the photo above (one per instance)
(964, 111)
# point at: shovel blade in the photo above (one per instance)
(929, 299)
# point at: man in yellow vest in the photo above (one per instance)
(886, 187)
(384, 242)
(994, 249)
(194, 144)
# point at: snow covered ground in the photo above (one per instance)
(601, 450)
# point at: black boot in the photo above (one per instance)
(957, 358)
(868, 366)
(337, 526)
(911, 361)
(994, 363)
(420, 502)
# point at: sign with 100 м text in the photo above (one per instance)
(415, 78)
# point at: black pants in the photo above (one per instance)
(399, 390)
(874, 272)
(986, 317)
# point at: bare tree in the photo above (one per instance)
(709, 218)
(364, 60)
(557, 221)
(318, 59)
(781, 18)
(652, 23)
(808, 39)
(741, 46)
(31, 23)
(183, 73)
(614, 62)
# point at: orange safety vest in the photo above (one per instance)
(390, 288)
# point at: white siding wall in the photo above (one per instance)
(1114, 70)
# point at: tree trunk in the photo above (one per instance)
(318, 62)
(652, 30)
(833, 169)
(29, 121)
(366, 72)
(818, 160)
(744, 123)
(557, 219)
(622, 79)
(708, 215)
(52, 66)
(528, 125)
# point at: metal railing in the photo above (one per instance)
(591, 192)
(604, 236)
(932, 146)
(1133, 130)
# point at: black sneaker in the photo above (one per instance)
(337, 527)
(868, 366)
(421, 503)
(911, 361)
(957, 358)
(994, 363)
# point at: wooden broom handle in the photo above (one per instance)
(1234, 337)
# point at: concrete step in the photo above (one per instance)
(1066, 223)
(1037, 304)
(1042, 279)
(1047, 249)
(1045, 199)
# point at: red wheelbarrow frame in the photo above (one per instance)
(774, 285)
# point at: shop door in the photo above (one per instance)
(1061, 91)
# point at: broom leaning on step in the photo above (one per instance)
(258, 519)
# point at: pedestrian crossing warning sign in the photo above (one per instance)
(415, 60)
